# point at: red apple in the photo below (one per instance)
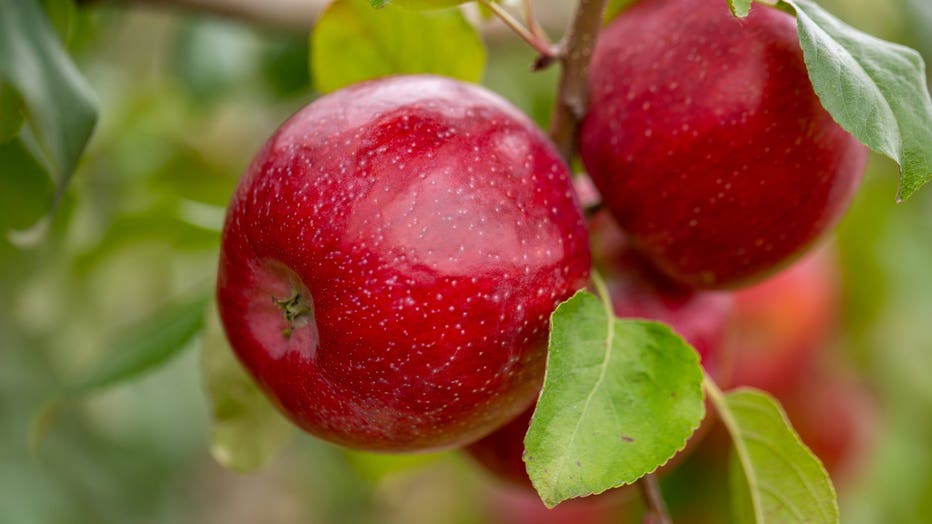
(708, 143)
(837, 417)
(637, 291)
(780, 325)
(510, 506)
(390, 261)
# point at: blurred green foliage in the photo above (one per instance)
(185, 101)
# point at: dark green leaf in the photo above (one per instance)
(25, 187)
(246, 430)
(353, 42)
(608, 384)
(62, 15)
(60, 105)
(143, 347)
(874, 89)
(775, 478)
(615, 8)
(11, 112)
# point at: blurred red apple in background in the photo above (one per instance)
(708, 144)
(779, 326)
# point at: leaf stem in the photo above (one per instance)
(601, 290)
(534, 37)
(653, 499)
(532, 23)
(575, 54)
(721, 407)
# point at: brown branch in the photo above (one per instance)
(290, 15)
(575, 54)
(656, 509)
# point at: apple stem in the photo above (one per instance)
(294, 308)
(534, 36)
(575, 55)
(656, 509)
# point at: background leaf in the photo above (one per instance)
(246, 430)
(60, 106)
(774, 476)
(144, 347)
(874, 89)
(25, 187)
(353, 42)
(11, 112)
(607, 384)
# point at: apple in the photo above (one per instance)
(511, 506)
(782, 324)
(708, 143)
(837, 417)
(637, 290)
(390, 260)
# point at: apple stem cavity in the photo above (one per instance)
(295, 310)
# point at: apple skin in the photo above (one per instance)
(390, 261)
(708, 143)
(637, 290)
(782, 324)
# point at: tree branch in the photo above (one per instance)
(575, 54)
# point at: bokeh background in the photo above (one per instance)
(186, 99)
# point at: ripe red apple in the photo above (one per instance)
(637, 291)
(837, 417)
(390, 261)
(708, 143)
(782, 324)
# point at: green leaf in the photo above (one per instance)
(62, 14)
(246, 429)
(211, 56)
(138, 350)
(376, 466)
(60, 106)
(614, 8)
(874, 89)
(11, 112)
(740, 8)
(144, 347)
(620, 398)
(775, 478)
(25, 187)
(353, 42)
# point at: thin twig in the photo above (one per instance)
(575, 53)
(532, 23)
(653, 500)
(542, 46)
